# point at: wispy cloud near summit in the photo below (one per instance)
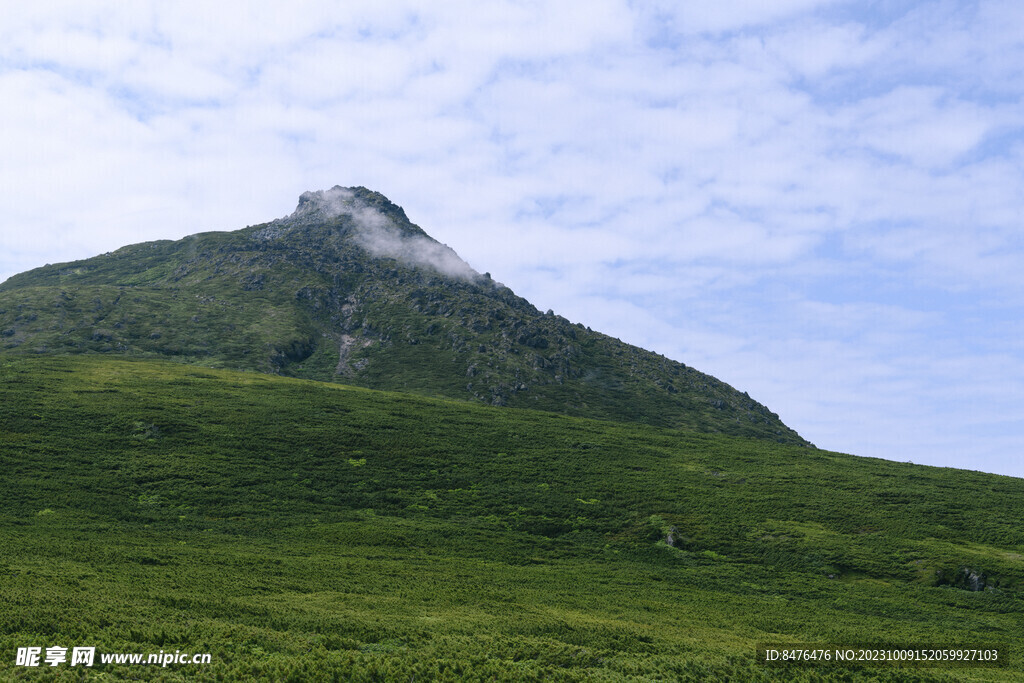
(380, 234)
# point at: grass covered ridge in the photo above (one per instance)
(306, 531)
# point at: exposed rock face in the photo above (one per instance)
(973, 579)
(347, 289)
(967, 578)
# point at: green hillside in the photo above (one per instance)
(300, 530)
(347, 289)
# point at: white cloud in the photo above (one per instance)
(914, 123)
(811, 50)
(727, 15)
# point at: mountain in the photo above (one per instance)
(176, 477)
(347, 289)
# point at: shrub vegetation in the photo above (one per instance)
(299, 530)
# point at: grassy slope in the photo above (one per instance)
(308, 531)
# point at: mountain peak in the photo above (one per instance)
(377, 225)
(338, 201)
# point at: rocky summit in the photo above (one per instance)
(347, 289)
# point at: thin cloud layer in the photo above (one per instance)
(817, 201)
(381, 238)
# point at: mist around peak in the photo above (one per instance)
(380, 235)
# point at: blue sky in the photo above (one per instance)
(819, 202)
